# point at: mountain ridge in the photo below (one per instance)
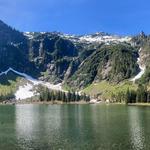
(74, 61)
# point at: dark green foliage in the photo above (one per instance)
(12, 56)
(7, 97)
(114, 63)
(123, 63)
(142, 42)
(33, 56)
(50, 95)
(64, 48)
(85, 53)
(57, 59)
(131, 96)
(9, 35)
(141, 95)
(13, 50)
(146, 77)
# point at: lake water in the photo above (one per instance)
(74, 127)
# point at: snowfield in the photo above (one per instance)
(99, 37)
(29, 35)
(142, 71)
(106, 39)
(26, 91)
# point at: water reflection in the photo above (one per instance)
(77, 127)
(136, 130)
(39, 126)
(51, 124)
(27, 123)
(47, 127)
(7, 125)
(25, 120)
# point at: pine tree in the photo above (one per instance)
(68, 96)
(148, 97)
(73, 98)
(77, 97)
(141, 94)
(64, 97)
(128, 96)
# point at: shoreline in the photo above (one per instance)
(138, 104)
(24, 102)
(43, 102)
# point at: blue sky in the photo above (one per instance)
(77, 16)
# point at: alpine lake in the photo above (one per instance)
(74, 127)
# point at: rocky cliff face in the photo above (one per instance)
(76, 61)
(142, 42)
(113, 63)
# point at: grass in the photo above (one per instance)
(7, 89)
(106, 89)
(9, 83)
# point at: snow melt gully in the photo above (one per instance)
(142, 69)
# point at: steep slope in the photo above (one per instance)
(141, 66)
(112, 63)
(52, 56)
(13, 49)
(74, 61)
(142, 42)
(26, 89)
(9, 35)
(59, 55)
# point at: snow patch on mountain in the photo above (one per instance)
(99, 37)
(27, 91)
(24, 92)
(29, 78)
(29, 35)
(142, 69)
(104, 39)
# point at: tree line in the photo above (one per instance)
(141, 95)
(7, 96)
(53, 95)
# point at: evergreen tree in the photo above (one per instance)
(77, 98)
(141, 94)
(128, 96)
(64, 97)
(68, 96)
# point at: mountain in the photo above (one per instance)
(113, 63)
(75, 61)
(9, 35)
(13, 48)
